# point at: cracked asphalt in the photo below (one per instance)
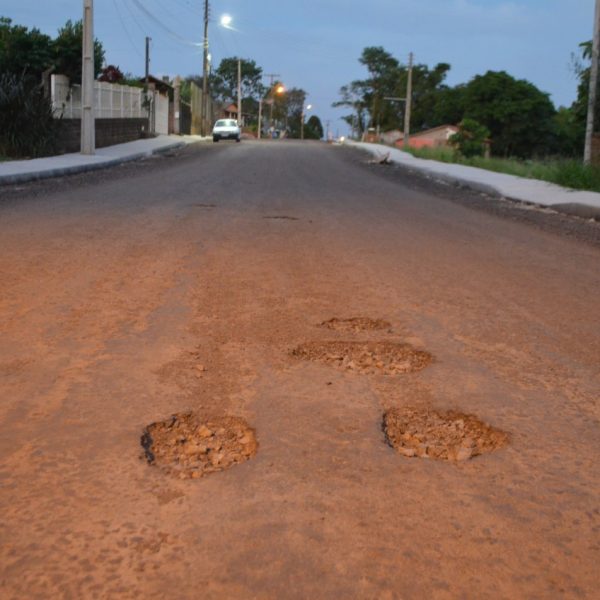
(183, 283)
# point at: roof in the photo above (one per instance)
(434, 129)
(160, 84)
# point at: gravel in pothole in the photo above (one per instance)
(356, 324)
(427, 433)
(189, 447)
(386, 358)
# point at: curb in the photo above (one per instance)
(75, 169)
(583, 211)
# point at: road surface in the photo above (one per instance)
(183, 283)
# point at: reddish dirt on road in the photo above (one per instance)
(164, 287)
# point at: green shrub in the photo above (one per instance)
(27, 128)
(471, 137)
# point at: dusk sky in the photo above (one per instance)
(315, 45)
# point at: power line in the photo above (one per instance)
(134, 18)
(189, 7)
(136, 49)
(160, 24)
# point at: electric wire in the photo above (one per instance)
(126, 30)
(187, 6)
(143, 31)
(151, 16)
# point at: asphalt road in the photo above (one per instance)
(183, 283)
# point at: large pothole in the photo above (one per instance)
(189, 447)
(387, 358)
(451, 435)
(356, 324)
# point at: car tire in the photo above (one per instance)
(238, 139)
(215, 138)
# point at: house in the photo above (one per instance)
(391, 137)
(431, 138)
(229, 112)
(162, 108)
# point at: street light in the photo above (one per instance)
(226, 21)
(308, 107)
(279, 89)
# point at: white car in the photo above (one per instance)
(226, 129)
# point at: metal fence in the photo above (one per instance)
(111, 101)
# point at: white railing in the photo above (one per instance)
(111, 101)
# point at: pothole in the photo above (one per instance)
(356, 324)
(200, 205)
(189, 447)
(282, 217)
(426, 433)
(366, 357)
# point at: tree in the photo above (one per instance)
(382, 82)
(518, 115)
(224, 85)
(111, 74)
(288, 109)
(388, 78)
(23, 50)
(353, 98)
(470, 139)
(313, 130)
(449, 107)
(571, 125)
(428, 90)
(27, 126)
(224, 81)
(569, 131)
(67, 52)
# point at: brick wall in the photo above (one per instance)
(108, 132)
(596, 149)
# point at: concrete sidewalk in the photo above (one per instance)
(511, 187)
(20, 171)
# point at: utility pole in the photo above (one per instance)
(203, 111)
(271, 77)
(177, 103)
(409, 100)
(239, 92)
(146, 86)
(260, 102)
(593, 93)
(88, 125)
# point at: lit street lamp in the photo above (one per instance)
(279, 89)
(308, 107)
(226, 21)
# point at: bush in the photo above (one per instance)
(27, 128)
(471, 137)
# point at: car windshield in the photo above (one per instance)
(225, 123)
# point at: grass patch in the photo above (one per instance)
(567, 173)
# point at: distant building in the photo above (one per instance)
(230, 112)
(391, 137)
(438, 137)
